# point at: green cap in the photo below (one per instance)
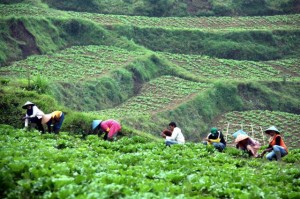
(213, 130)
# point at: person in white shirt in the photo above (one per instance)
(176, 137)
(34, 115)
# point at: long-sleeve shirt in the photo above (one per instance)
(36, 112)
(176, 136)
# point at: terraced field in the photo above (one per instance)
(282, 22)
(76, 63)
(86, 62)
(207, 67)
(158, 95)
(256, 121)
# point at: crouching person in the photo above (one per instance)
(176, 136)
(277, 148)
(216, 139)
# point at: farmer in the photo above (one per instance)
(54, 119)
(110, 127)
(277, 147)
(245, 143)
(34, 115)
(176, 136)
(216, 139)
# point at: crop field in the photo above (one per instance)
(256, 121)
(158, 95)
(207, 67)
(282, 22)
(67, 166)
(75, 63)
(138, 164)
(82, 62)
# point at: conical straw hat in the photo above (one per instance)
(240, 138)
(272, 128)
(239, 132)
(95, 123)
(27, 104)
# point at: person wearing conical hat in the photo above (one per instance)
(215, 138)
(277, 148)
(110, 127)
(54, 119)
(245, 143)
(33, 115)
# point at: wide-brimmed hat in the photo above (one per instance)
(241, 137)
(272, 128)
(239, 132)
(28, 103)
(213, 130)
(46, 118)
(95, 124)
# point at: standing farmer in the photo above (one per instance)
(34, 115)
(110, 127)
(56, 119)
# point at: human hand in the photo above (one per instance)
(259, 156)
(163, 135)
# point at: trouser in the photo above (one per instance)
(38, 123)
(57, 126)
(279, 150)
(218, 145)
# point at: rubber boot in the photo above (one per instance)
(278, 155)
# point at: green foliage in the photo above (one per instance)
(39, 84)
(254, 122)
(167, 8)
(13, 98)
(133, 167)
(254, 45)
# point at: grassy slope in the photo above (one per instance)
(163, 98)
(165, 87)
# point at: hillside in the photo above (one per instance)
(200, 63)
(147, 71)
(166, 8)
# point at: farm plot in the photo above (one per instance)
(158, 95)
(207, 67)
(219, 23)
(256, 121)
(27, 10)
(278, 22)
(66, 166)
(76, 63)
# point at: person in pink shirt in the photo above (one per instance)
(110, 127)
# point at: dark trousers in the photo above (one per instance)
(38, 123)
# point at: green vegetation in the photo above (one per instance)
(255, 121)
(113, 61)
(48, 166)
(42, 30)
(164, 8)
